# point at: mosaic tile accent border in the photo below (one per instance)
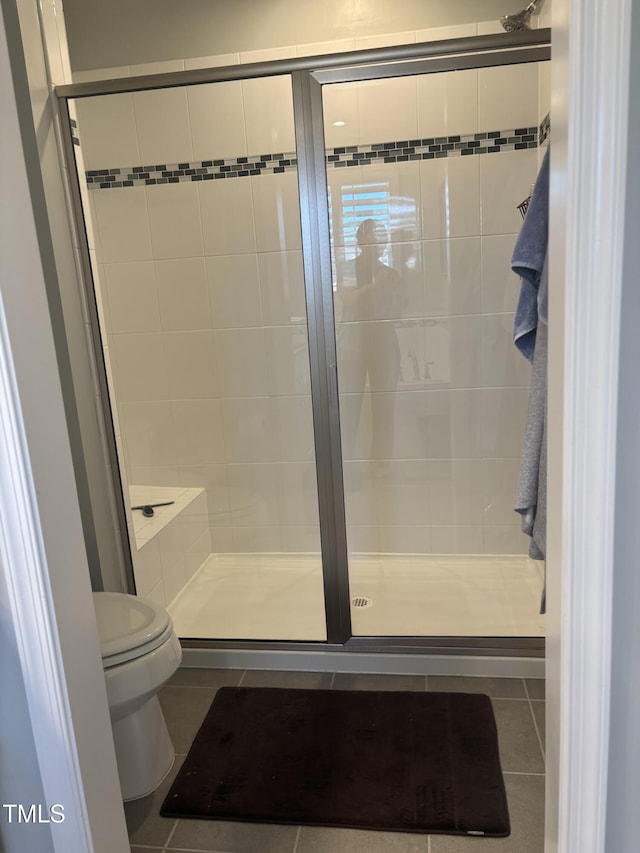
(434, 148)
(204, 170)
(398, 151)
(74, 132)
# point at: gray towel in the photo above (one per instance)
(529, 261)
(531, 496)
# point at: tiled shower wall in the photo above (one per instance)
(203, 306)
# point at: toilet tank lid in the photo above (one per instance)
(126, 622)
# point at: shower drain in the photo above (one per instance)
(361, 601)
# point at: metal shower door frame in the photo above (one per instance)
(308, 76)
(316, 250)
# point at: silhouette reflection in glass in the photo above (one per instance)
(368, 348)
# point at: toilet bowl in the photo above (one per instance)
(140, 653)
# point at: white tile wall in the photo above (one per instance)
(293, 427)
(213, 479)
(504, 414)
(123, 225)
(150, 437)
(198, 430)
(297, 497)
(242, 354)
(206, 312)
(216, 119)
(505, 180)
(453, 32)
(253, 495)
(451, 281)
(501, 364)
(386, 40)
(174, 220)
(268, 114)
(226, 208)
(403, 493)
(191, 365)
(448, 104)
(450, 191)
(324, 47)
(276, 212)
(183, 294)
(499, 283)
(147, 567)
(163, 66)
(387, 107)
(154, 475)
(140, 367)
(517, 104)
(109, 135)
(217, 61)
(162, 122)
(132, 296)
(249, 539)
(287, 360)
(340, 107)
(172, 546)
(234, 291)
(304, 538)
(249, 429)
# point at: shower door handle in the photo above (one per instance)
(333, 386)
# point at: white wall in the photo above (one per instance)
(125, 33)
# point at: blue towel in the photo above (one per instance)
(529, 261)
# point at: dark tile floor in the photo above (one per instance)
(519, 710)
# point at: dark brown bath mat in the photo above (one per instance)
(403, 761)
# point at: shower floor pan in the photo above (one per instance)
(280, 597)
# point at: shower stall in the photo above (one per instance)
(303, 303)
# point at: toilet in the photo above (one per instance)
(140, 653)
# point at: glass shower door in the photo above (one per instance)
(424, 177)
(194, 230)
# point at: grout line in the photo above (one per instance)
(171, 834)
(510, 698)
(194, 850)
(244, 672)
(521, 773)
(538, 735)
(535, 724)
(295, 843)
(333, 678)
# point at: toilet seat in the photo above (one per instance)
(129, 627)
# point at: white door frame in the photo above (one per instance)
(589, 109)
